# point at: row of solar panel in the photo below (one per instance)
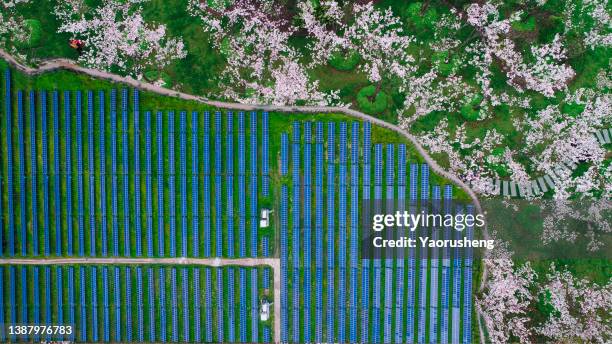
(64, 186)
(88, 293)
(337, 312)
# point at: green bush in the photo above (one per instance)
(344, 62)
(153, 75)
(365, 102)
(34, 33)
(445, 64)
(421, 20)
(471, 110)
(524, 26)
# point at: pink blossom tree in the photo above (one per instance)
(117, 37)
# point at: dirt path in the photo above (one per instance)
(56, 64)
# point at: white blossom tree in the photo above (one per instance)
(505, 302)
(13, 27)
(117, 37)
(581, 309)
(262, 67)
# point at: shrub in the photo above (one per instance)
(34, 35)
(471, 110)
(344, 62)
(365, 102)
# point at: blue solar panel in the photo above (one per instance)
(68, 172)
(126, 168)
(218, 187)
(71, 298)
(79, 144)
(196, 305)
(94, 302)
(148, 182)
(36, 294)
(365, 300)
(83, 301)
(183, 153)
(266, 335)
(389, 208)
(12, 298)
(24, 294)
(254, 211)
(399, 270)
(151, 304)
(139, 304)
(455, 315)
(266, 271)
(9, 154)
(162, 304)
(57, 173)
(265, 183)
(231, 333)
(128, 304)
(331, 210)
(115, 225)
(254, 307)
(342, 191)
(229, 181)
(283, 263)
(220, 305)
(22, 178)
(171, 185)
(102, 174)
(160, 184)
(284, 154)
(45, 176)
(137, 185)
(307, 227)
(174, 305)
(241, 185)
(445, 292)
(106, 310)
(185, 304)
(243, 306)
(206, 190)
(354, 230)
(467, 284)
(319, 232)
(433, 273)
(295, 211)
(34, 174)
(91, 171)
(208, 304)
(195, 184)
(117, 289)
(423, 259)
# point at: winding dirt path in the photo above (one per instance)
(66, 64)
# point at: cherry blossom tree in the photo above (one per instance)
(12, 25)
(262, 67)
(505, 302)
(376, 35)
(117, 37)
(581, 309)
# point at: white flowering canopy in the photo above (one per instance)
(117, 37)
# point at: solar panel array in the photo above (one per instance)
(382, 289)
(390, 308)
(70, 294)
